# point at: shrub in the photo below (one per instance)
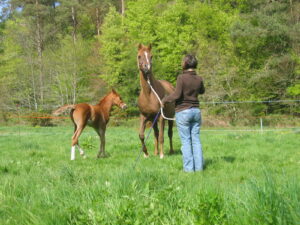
(41, 118)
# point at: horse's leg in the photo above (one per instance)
(156, 133)
(75, 128)
(161, 136)
(170, 134)
(101, 133)
(79, 129)
(81, 150)
(143, 121)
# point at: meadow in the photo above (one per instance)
(250, 178)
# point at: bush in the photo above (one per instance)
(41, 118)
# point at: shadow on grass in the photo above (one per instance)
(176, 152)
(229, 159)
(103, 156)
(210, 161)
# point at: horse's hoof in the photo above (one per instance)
(103, 155)
(172, 152)
(161, 156)
(146, 155)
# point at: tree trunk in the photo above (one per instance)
(60, 87)
(35, 103)
(291, 6)
(98, 21)
(123, 10)
(39, 44)
(74, 78)
(123, 7)
(74, 23)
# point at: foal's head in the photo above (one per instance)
(144, 59)
(117, 100)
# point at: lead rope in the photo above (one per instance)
(161, 108)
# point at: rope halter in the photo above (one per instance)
(161, 108)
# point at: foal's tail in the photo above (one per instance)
(63, 109)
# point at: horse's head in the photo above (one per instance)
(117, 100)
(144, 59)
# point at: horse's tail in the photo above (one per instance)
(63, 109)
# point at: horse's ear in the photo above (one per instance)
(150, 47)
(140, 46)
(113, 91)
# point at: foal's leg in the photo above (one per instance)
(81, 150)
(73, 146)
(156, 133)
(170, 134)
(143, 121)
(161, 136)
(79, 129)
(101, 133)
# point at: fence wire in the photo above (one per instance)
(18, 115)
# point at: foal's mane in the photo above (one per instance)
(104, 99)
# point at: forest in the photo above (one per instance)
(56, 52)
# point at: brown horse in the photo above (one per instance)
(96, 116)
(149, 104)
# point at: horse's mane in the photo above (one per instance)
(103, 99)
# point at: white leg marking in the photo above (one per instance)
(73, 153)
(161, 156)
(81, 152)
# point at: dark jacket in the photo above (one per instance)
(188, 86)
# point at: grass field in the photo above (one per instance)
(250, 178)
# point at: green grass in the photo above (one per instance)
(250, 178)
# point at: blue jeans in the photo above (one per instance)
(188, 124)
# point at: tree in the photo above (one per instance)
(68, 67)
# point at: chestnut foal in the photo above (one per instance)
(96, 116)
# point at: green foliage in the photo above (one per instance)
(294, 90)
(175, 34)
(69, 67)
(113, 46)
(88, 143)
(52, 53)
(111, 191)
(210, 209)
(40, 118)
(142, 19)
(270, 203)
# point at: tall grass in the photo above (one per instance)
(250, 178)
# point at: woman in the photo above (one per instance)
(188, 114)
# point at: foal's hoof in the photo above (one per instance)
(161, 156)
